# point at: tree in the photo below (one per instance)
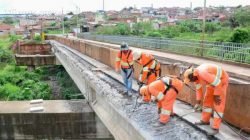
(8, 20)
(142, 27)
(233, 22)
(70, 13)
(242, 16)
(122, 29)
(212, 27)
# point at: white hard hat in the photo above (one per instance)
(124, 46)
(136, 55)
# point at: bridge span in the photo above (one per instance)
(90, 65)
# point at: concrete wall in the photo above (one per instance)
(236, 96)
(31, 49)
(35, 60)
(33, 54)
(32, 126)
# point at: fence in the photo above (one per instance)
(235, 52)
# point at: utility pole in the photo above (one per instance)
(204, 27)
(77, 12)
(103, 5)
(62, 21)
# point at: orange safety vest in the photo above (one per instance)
(124, 61)
(160, 88)
(210, 75)
(150, 66)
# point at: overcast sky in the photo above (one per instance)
(92, 5)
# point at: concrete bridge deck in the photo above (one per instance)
(93, 79)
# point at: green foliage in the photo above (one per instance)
(141, 28)
(53, 24)
(8, 20)
(68, 88)
(122, 29)
(14, 38)
(19, 84)
(170, 32)
(212, 27)
(242, 16)
(37, 38)
(154, 34)
(192, 26)
(240, 35)
(5, 52)
(108, 30)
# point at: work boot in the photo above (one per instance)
(214, 132)
(172, 114)
(129, 94)
(140, 101)
(202, 123)
(125, 93)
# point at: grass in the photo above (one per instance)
(222, 35)
(57, 31)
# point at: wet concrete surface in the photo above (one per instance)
(145, 116)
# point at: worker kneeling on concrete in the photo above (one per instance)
(165, 91)
(216, 81)
(151, 68)
(124, 61)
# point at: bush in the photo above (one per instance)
(37, 38)
(154, 34)
(170, 32)
(240, 35)
(13, 38)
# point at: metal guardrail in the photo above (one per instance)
(235, 52)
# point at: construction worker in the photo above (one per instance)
(164, 91)
(124, 62)
(151, 67)
(216, 81)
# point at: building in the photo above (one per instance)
(5, 28)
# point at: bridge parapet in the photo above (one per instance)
(34, 54)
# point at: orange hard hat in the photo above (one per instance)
(143, 90)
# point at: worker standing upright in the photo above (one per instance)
(151, 67)
(216, 81)
(165, 91)
(124, 62)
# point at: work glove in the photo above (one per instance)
(159, 110)
(153, 99)
(217, 99)
(198, 107)
(140, 83)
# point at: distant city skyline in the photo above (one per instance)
(56, 6)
